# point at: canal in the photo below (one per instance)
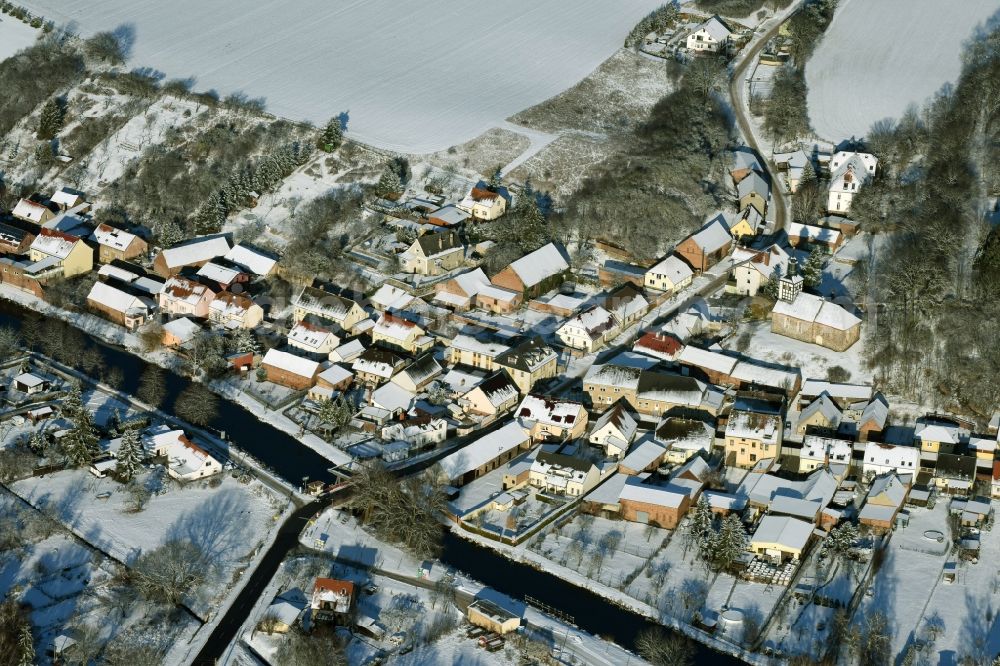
(292, 460)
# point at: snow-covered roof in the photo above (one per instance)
(808, 307)
(470, 282)
(642, 455)
(196, 251)
(183, 329)
(619, 417)
(817, 447)
(888, 487)
(784, 531)
(28, 379)
(711, 360)
(228, 305)
(26, 209)
(715, 29)
(393, 397)
(877, 411)
(497, 293)
(498, 388)
(613, 375)
(310, 335)
(296, 365)
(929, 430)
(712, 237)
(825, 406)
(66, 197)
(486, 448)
(54, 243)
(561, 413)
(111, 237)
(674, 268)
(840, 159)
(543, 263)
(218, 273)
(594, 322)
(395, 328)
(348, 351)
(753, 183)
(745, 158)
(335, 374)
(887, 455)
(762, 375)
(388, 296)
(815, 387)
(753, 425)
(669, 495)
(120, 301)
(813, 233)
(253, 260)
(471, 343)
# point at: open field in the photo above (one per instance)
(878, 58)
(14, 36)
(422, 76)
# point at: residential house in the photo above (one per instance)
(712, 36)
(223, 274)
(60, 249)
(15, 239)
(484, 454)
(650, 504)
(418, 432)
(824, 238)
(753, 191)
(536, 272)
(882, 458)
(434, 254)
(627, 303)
(588, 330)
(793, 165)
(781, 538)
(849, 171)
(181, 296)
(646, 456)
(335, 378)
(119, 303)
(418, 375)
(483, 204)
(289, 370)
(186, 461)
(113, 243)
(313, 337)
(332, 601)
(394, 331)
(751, 276)
(843, 395)
(66, 198)
(477, 351)
(874, 418)
(323, 305)
(885, 500)
(251, 259)
(375, 366)
(744, 162)
(754, 430)
(707, 247)
(32, 211)
(528, 363)
(749, 222)
(547, 418)
(824, 451)
(498, 300)
(821, 413)
(684, 437)
(649, 392)
(448, 216)
(562, 474)
(492, 397)
(195, 252)
(492, 617)
(658, 344)
(812, 319)
(235, 311)
(671, 274)
(459, 293)
(614, 430)
(180, 331)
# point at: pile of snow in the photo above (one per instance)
(415, 77)
(878, 58)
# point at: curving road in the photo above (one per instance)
(737, 88)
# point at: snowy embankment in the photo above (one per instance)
(414, 77)
(878, 58)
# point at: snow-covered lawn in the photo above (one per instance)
(229, 523)
(878, 58)
(414, 77)
(14, 36)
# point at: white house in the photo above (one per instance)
(752, 275)
(186, 460)
(849, 171)
(562, 474)
(588, 330)
(671, 274)
(711, 36)
(313, 338)
(120, 306)
(235, 311)
(882, 458)
(614, 430)
(251, 259)
(417, 432)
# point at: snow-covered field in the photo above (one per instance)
(14, 36)
(878, 58)
(414, 77)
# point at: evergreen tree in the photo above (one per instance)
(129, 454)
(245, 342)
(389, 183)
(336, 412)
(26, 645)
(37, 442)
(729, 543)
(332, 135)
(700, 524)
(812, 269)
(496, 178)
(529, 226)
(170, 233)
(52, 118)
(770, 288)
(80, 444)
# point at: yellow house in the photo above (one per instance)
(938, 436)
(488, 615)
(528, 363)
(752, 435)
(475, 351)
(671, 274)
(434, 254)
(753, 191)
(548, 418)
(495, 395)
(483, 204)
(401, 333)
(748, 224)
(64, 250)
(328, 307)
(820, 413)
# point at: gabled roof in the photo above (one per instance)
(119, 300)
(498, 388)
(876, 411)
(595, 321)
(253, 260)
(621, 418)
(543, 409)
(54, 243)
(195, 251)
(807, 307)
(324, 304)
(712, 237)
(716, 29)
(526, 356)
(296, 365)
(486, 448)
(109, 236)
(890, 487)
(30, 210)
(824, 405)
(541, 264)
(754, 183)
(674, 268)
(439, 243)
(785, 531)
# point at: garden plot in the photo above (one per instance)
(228, 523)
(608, 551)
(404, 90)
(14, 36)
(878, 58)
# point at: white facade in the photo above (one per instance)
(711, 36)
(849, 171)
(882, 458)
